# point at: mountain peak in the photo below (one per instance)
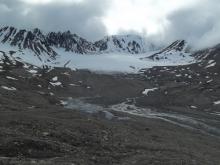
(132, 44)
(177, 51)
(33, 40)
(40, 42)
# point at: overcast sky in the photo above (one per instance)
(197, 21)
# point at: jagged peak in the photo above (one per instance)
(130, 43)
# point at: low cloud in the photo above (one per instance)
(199, 25)
(83, 18)
(197, 22)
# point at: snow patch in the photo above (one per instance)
(32, 71)
(193, 107)
(146, 91)
(55, 78)
(217, 102)
(9, 88)
(211, 65)
(11, 78)
(74, 85)
(56, 83)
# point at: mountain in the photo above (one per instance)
(33, 40)
(70, 42)
(124, 43)
(209, 58)
(178, 52)
(47, 43)
(177, 48)
(61, 49)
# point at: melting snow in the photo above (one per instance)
(146, 91)
(32, 71)
(11, 78)
(109, 62)
(55, 78)
(74, 85)
(56, 83)
(217, 102)
(9, 88)
(211, 65)
(51, 93)
(209, 81)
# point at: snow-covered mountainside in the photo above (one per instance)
(111, 54)
(124, 43)
(209, 58)
(70, 42)
(33, 40)
(40, 42)
(177, 52)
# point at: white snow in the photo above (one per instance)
(74, 85)
(209, 81)
(51, 93)
(55, 78)
(125, 46)
(113, 62)
(217, 102)
(216, 113)
(11, 78)
(211, 65)
(66, 73)
(146, 91)
(56, 83)
(64, 103)
(171, 56)
(107, 62)
(211, 61)
(9, 88)
(32, 71)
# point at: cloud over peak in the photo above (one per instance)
(196, 21)
(82, 17)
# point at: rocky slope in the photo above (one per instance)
(178, 50)
(111, 119)
(40, 42)
(124, 43)
(70, 42)
(33, 40)
(63, 49)
(163, 115)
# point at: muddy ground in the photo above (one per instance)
(175, 124)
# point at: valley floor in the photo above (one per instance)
(69, 117)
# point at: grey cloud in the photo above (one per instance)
(82, 18)
(199, 25)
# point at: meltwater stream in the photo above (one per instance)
(181, 120)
